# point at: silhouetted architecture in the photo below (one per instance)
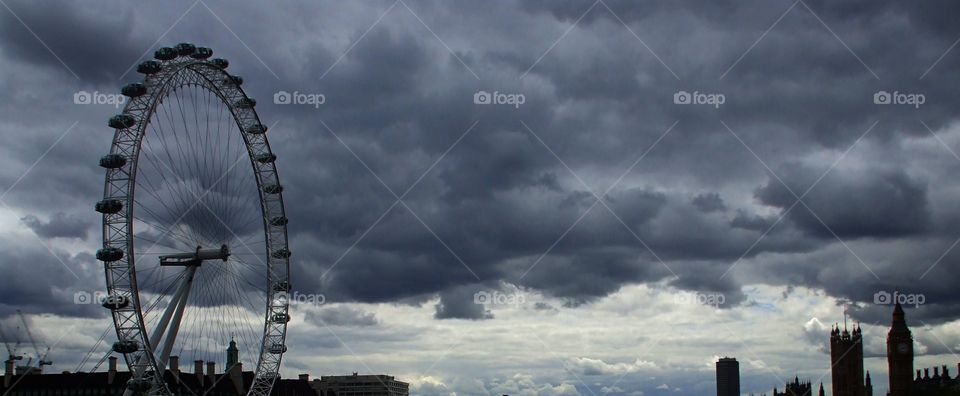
(728, 377)
(113, 382)
(900, 360)
(846, 361)
(797, 388)
(233, 357)
(360, 385)
(900, 354)
(940, 383)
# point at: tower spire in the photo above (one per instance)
(845, 306)
(233, 355)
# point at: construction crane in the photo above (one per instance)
(41, 358)
(12, 346)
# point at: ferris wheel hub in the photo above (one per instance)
(196, 257)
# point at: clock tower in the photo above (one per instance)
(900, 354)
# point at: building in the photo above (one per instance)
(360, 385)
(846, 362)
(797, 388)
(940, 383)
(900, 361)
(900, 354)
(234, 382)
(728, 377)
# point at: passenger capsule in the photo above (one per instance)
(220, 62)
(109, 206)
(266, 158)
(281, 286)
(109, 254)
(246, 103)
(116, 302)
(185, 49)
(258, 129)
(165, 54)
(278, 221)
(281, 318)
(113, 161)
(278, 348)
(121, 121)
(125, 346)
(133, 90)
(202, 53)
(233, 80)
(149, 67)
(281, 253)
(273, 189)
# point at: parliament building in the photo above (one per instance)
(846, 358)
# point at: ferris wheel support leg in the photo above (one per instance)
(176, 306)
(164, 321)
(177, 317)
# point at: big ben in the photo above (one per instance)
(900, 354)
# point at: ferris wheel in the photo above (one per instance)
(194, 229)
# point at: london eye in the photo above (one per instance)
(194, 228)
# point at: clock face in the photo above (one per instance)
(903, 347)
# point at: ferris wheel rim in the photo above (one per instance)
(120, 184)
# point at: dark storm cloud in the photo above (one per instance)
(598, 99)
(60, 225)
(709, 202)
(855, 205)
(94, 45)
(462, 303)
(70, 282)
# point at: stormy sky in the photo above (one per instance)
(654, 184)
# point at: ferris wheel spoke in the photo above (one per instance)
(243, 208)
(180, 185)
(242, 322)
(151, 189)
(162, 133)
(182, 207)
(188, 156)
(153, 243)
(189, 241)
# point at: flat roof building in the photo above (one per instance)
(360, 385)
(728, 377)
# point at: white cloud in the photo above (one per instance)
(588, 366)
